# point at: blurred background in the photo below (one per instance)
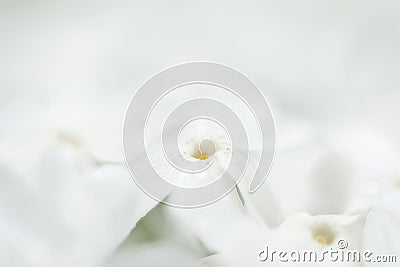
(68, 70)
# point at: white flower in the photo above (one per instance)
(382, 229)
(190, 139)
(301, 232)
(307, 175)
(191, 234)
(66, 210)
(337, 172)
(374, 163)
(93, 120)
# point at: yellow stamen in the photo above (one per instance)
(203, 156)
(321, 239)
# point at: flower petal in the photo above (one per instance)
(382, 228)
(104, 207)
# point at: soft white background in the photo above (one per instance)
(68, 69)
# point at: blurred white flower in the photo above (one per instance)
(93, 120)
(382, 229)
(374, 164)
(192, 234)
(67, 210)
(301, 232)
(327, 65)
(308, 175)
(340, 170)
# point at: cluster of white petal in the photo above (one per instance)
(67, 68)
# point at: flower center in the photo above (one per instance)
(69, 138)
(202, 156)
(321, 239)
(205, 148)
(323, 235)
